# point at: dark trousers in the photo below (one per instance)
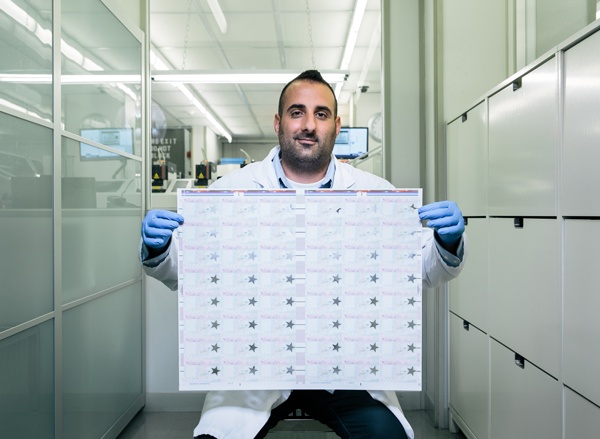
(351, 414)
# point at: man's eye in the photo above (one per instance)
(296, 113)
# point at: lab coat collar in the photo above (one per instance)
(267, 176)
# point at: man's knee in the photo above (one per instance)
(383, 425)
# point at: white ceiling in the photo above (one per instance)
(261, 35)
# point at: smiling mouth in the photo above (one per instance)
(306, 139)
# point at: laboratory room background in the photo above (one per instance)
(110, 109)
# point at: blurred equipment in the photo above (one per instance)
(229, 164)
(158, 178)
(162, 174)
(204, 172)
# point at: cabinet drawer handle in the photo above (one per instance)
(518, 222)
(517, 84)
(463, 118)
(520, 361)
(466, 325)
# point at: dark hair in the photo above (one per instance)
(312, 76)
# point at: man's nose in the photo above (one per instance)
(309, 123)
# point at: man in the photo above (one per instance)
(307, 125)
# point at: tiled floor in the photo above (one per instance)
(179, 425)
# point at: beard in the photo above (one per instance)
(306, 160)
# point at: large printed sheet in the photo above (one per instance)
(285, 289)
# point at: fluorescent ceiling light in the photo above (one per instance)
(101, 79)
(217, 12)
(237, 77)
(207, 114)
(357, 17)
(26, 78)
(20, 109)
(158, 64)
(373, 45)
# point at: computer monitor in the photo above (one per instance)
(117, 138)
(351, 142)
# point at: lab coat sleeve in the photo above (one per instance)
(436, 270)
(166, 269)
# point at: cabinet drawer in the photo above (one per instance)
(581, 353)
(469, 291)
(581, 144)
(525, 288)
(523, 145)
(582, 418)
(467, 162)
(525, 401)
(469, 375)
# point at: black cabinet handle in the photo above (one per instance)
(464, 117)
(518, 222)
(466, 325)
(520, 361)
(517, 84)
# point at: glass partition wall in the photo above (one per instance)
(71, 202)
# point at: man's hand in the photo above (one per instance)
(158, 226)
(446, 219)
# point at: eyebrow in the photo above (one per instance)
(303, 107)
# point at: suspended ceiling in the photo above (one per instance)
(260, 35)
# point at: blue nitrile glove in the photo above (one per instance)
(158, 226)
(446, 219)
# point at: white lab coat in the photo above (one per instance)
(241, 414)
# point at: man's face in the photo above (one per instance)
(307, 127)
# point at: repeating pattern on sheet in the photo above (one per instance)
(285, 289)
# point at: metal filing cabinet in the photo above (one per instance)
(581, 345)
(525, 288)
(523, 145)
(469, 377)
(525, 401)
(539, 246)
(582, 418)
(469, 292)
(581, 144)
(467, 161)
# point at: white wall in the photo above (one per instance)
(402, 92)
(475, 51)
(213, 145)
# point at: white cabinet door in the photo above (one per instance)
(581, 351)
(525, 401)
(525, 288)
(581, 144)
(523, 145)
(582, 418)
(466, 140)
(469, 375)
(469, 294)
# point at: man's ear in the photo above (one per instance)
(338, 125)
(276, 122)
